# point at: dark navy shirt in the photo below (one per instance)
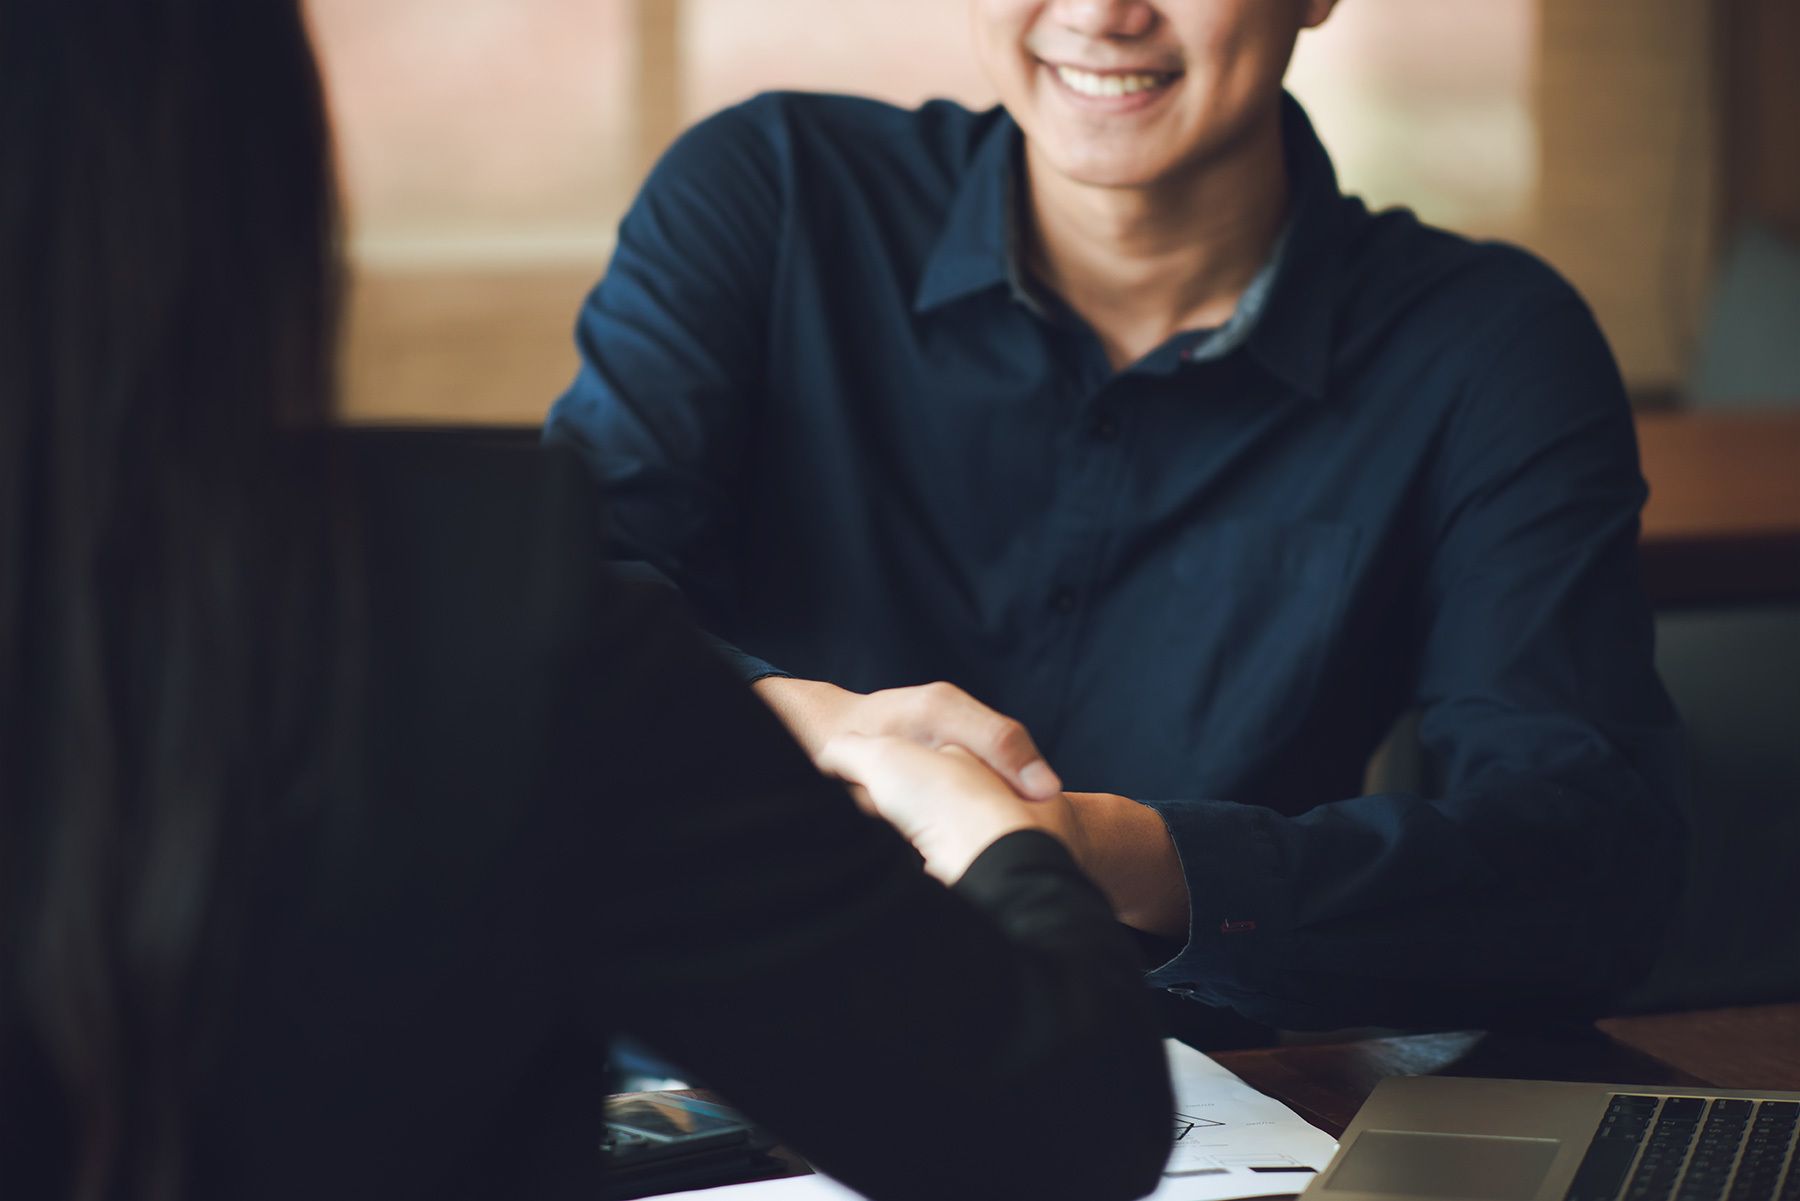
(822, 398)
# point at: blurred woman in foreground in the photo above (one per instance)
(348, 808)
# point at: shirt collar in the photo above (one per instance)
(1292, 334)
(1285, 318)
(974, 251)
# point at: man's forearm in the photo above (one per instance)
(1127, 850)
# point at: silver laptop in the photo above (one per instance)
(1432, 1138)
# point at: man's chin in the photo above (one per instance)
(1109, 171)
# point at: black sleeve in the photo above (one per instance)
(909, 1039)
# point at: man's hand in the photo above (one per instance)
(933, 715)
(950, 805)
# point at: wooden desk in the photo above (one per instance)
(1723, 522)
(1726, 1048)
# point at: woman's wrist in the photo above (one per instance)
(950, 847)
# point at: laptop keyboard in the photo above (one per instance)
(1691, 1149)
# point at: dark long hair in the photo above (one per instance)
(168, 296)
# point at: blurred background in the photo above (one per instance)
(489, 148)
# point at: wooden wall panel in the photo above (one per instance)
(1628, 202)
(461, 346)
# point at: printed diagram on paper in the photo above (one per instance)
(1202, 1147)
(1225, 1128)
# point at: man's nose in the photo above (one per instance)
(1105, 18)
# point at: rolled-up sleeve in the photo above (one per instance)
(1536, 879)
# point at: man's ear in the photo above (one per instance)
(1314, 12)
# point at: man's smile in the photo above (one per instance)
(1114, 90)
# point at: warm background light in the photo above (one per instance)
(490, 146)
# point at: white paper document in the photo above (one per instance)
(1225, 1131)
(1231, 1141)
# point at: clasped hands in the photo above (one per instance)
(949, 773)
(953, 775)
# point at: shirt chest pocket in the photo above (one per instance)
(1254, 611)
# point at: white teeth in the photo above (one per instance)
(1090, 84)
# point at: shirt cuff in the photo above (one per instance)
(1231, 864)
(747, 667)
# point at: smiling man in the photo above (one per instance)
(1103, 424)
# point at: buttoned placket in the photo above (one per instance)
(1090, 465)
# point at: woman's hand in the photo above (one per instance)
(950, 805)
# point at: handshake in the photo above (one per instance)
(952, 775)
(949, 773)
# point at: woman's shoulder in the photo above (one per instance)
(472, 484)
(479, 561)
(485, 524)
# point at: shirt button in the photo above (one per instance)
(1062, 601)
(1106, 429)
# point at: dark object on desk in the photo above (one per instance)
(663, 1142)
(1520, 1140)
